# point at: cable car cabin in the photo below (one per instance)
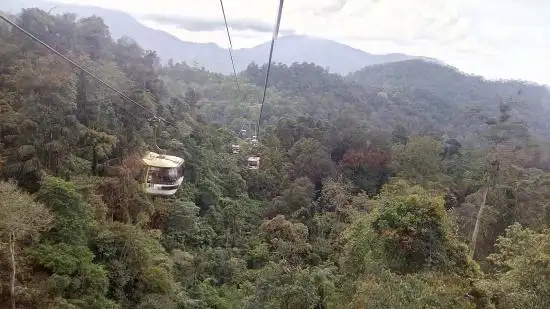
(253, 163)
(242, 133)
(162, 174)
(254, 140)
(235, 148)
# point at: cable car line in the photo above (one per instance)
(241, 134)
(230, 47)
(273, 39)
(235, 148)
(34, 38)
(163, 174)
(253, 162)
(155, 128)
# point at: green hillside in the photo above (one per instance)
(368, 193)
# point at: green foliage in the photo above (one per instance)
(23, 220)
(419, 159)
(22, 215)
(366, 196)
(73, 217)
(283, 286)
(519, 271)
(408, 232)
(414, 234)
(424, 290)
(311, 159)
(75, 277)
(136, 260)
(186, 228)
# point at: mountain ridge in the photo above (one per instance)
(290, 49)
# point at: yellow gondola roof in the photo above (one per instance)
(157, 160)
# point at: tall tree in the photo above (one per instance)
(22, 217)
(505, 137)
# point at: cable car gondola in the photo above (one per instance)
(235, 149)
(253, 163)
(163, 174)
(242, 133)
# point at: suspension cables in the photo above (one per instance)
(273, 39)
(230, 47)
(53, 50)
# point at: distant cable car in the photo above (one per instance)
(162, 174)
(235, 148)
(253, 163)
(254, 139)
(242, 133)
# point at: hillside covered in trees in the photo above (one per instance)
(405, 185)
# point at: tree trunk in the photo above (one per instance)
(94, 161)
(478, 222)
(13, 269)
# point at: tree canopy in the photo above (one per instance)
(404, 185)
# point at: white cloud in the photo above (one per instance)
(495, 38)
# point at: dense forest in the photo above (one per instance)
(403, 185)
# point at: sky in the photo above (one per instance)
(493, 38)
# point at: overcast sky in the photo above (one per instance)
(494, 38)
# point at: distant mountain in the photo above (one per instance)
(445, 87)
(339, 58)
(121, 24)
(445, 79)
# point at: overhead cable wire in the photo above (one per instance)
(230, 46)
(34, 38)
(273, 39)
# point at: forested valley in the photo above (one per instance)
(403, 185)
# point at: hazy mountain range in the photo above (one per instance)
(338, 58)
